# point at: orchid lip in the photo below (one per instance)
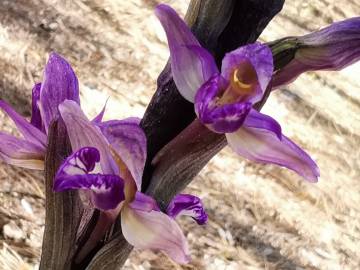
(188, 205)
(105, 190)
(220, 118)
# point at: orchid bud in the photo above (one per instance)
(332, 48)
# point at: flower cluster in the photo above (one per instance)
(106, 164)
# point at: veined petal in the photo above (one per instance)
(331, 48)
(60, 83)
(259, 140)
(21, 153)
(188, 205)
(30, 132)
(129, 141)
(106, 190)
(221, 118)
(83, 133)
(83, 161)
(191, 64)
(154, 230)
(36, 120)
(247, 59)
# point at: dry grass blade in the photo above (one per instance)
(11, 260)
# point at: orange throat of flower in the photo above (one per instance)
(243, 81)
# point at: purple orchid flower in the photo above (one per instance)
(224, 99)
(332, 48)
(59, 83)
(106, 167)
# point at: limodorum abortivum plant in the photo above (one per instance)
(104, 185)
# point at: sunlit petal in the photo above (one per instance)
(19, 152)
(261, 140)
(191, 64)
(30, 132)
(154, 230)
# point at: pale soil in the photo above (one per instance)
(260, 217)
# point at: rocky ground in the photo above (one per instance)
(260, 217)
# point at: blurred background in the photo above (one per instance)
(260, 217)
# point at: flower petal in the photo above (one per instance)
(99, 117)
(83, 133)
(144, 202)
(154, 230)
(219, 118)
(191, 64)
(228, 118)
(36, 120)
(21, 153)
(259, 140)
(259, 56)
(129, 141)
(82, 161)
(256, 119)
(107, 191)
(60, 83)
(188, 205)
(30, 132)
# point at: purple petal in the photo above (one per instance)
(82, 161)
(332, 48)
(207, 96)
(60, 83)
(106, 190)
(253, 57)
(30, 133)
(228, 118)
(144, 202)
(258, 120)
(99, 117)
(219, 118)
(189, 205)
(191, 64)
(21, 153)
(261, 140)
(83, 133)
(154, 230)
(129, 141)
(36, 120)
